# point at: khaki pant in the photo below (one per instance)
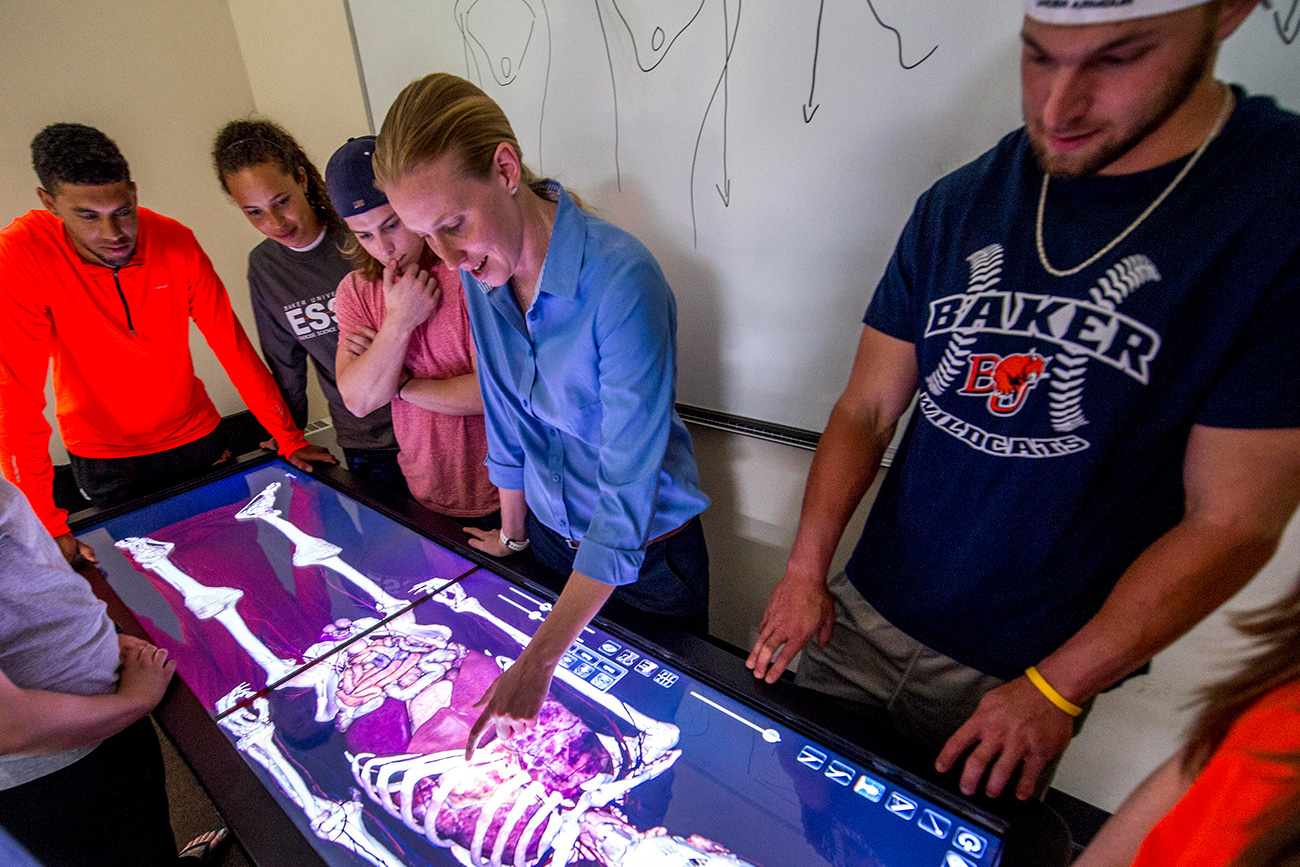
(927, 695)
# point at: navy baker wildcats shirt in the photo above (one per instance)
(1045, 451)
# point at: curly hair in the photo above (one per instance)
(254, 142)
(73, 153)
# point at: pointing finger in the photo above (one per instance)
(475, 732)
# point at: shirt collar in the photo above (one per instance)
(314, 244)
(564, 252)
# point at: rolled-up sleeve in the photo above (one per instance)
(505, 457)
(636, 378)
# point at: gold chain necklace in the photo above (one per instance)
(1042, 200)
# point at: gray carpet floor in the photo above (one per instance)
(191, 811)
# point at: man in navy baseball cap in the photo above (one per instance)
(350, 178)
(404, 341)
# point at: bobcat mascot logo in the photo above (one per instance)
(1005, 379)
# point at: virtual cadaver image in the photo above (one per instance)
(360, 730)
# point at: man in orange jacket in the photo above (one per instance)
(107, 290)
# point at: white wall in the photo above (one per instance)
(298, 60)
(302, 70)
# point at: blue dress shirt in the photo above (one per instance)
(579, 395)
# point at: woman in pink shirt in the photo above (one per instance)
(405, 340)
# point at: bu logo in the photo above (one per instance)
(1005, 379)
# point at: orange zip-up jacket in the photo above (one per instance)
(124, 380)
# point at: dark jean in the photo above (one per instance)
(113, 481)
(672, 586)
(108, 809)
(377, 468)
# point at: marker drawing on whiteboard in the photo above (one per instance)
(899, 37)
(810, 107)
(501, 39)
(652, 27)
(613, 86)
(1288, 25)
(729, 29)
(650, 52)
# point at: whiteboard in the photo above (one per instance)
(768, 153)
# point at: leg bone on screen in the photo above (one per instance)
(336, 821)
(310, 550)
(205, 602)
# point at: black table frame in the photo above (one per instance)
(1035, 835)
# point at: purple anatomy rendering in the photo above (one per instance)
(401, 694)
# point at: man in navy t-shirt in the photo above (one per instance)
(1101, 318)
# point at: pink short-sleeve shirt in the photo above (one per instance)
(441, 455)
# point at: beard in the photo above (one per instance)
(1073, 165)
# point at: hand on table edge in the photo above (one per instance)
(514, 516)
(75, 551)
(304, 457)
(487, 541)
(1014, 727)
(798, 609)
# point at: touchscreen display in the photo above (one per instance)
(342, 654)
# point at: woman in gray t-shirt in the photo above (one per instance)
(292, 278)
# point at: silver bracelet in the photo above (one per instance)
(511, 543)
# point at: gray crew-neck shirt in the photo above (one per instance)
(54, 634)
(293, 304)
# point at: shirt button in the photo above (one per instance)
(555, 477)
(563, 523)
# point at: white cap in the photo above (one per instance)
(1101, 11)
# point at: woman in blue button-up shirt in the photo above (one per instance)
(575, 328)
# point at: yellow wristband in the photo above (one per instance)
(1052, 695)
